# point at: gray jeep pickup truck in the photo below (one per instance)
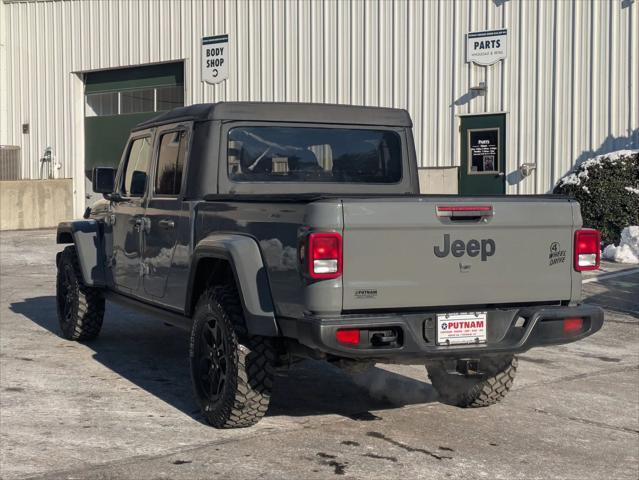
(276, 232)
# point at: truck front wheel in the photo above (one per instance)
(232, 372)
(80, 308)
(486, 388)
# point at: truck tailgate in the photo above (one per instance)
(441, 251)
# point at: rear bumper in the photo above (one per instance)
(417, 333)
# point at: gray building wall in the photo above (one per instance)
(569, 86)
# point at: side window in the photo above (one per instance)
(168, 179)
(137, 167)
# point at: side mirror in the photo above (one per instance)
(103, 179)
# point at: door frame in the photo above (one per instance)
(176, 200)
(458, 144)
(77, 85)
(141, 203)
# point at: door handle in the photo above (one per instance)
(167, 224)
(142, 224)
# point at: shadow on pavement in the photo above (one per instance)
(619, 294)
(154, 357)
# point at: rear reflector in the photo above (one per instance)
(347, 337)
(587, 253)
(325, 255)
(573, 324)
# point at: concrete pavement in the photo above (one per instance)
(121, 407)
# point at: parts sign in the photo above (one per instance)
(486, 48)
(214, 58)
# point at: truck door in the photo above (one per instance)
(163, 211)
(127, 214)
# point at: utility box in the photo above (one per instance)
(10, 162)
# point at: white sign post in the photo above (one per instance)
(486, 48)
(214, 58)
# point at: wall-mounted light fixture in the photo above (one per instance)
(527, 168)
(479, 90)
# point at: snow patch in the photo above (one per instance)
(580, 172)
(628, 249)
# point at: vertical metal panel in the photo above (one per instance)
(4, 77)
(415, 39)
(372, 36)
(569, 85)
(342, 55)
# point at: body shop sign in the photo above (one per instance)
(214, 58)
(486, 48)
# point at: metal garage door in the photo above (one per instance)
(116, 100)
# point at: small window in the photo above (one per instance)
(137, 167)
(168, 178)
(137, 101)
(143, 100)
(101, 104)
(169, 98)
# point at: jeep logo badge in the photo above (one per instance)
(485, 248)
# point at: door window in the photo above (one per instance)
(483, 150)
(168, 178)
(137, 166)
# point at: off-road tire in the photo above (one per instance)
(475, 391)
(80, 308)
(241, 399)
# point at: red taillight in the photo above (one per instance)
(324, 255)
(587, 253)
(573, 324)
(347, 337)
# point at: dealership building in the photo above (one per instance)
(505, 95)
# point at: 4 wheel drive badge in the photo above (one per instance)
(556, 255)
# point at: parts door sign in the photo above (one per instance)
(215, 58)
(483, 148)
(486, 48)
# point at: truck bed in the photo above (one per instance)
(391, 243)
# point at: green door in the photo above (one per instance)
(483, 155)
(116, 101)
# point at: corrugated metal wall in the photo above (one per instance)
(570, 83)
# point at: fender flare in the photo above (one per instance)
(87, 238)
(245, 258)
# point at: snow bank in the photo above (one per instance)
(580, 172)
(628, 249)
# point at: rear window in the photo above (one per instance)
(302, 154)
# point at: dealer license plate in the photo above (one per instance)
(461, 328)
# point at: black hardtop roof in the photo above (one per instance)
(283, 112)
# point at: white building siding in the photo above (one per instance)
(570, 84)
